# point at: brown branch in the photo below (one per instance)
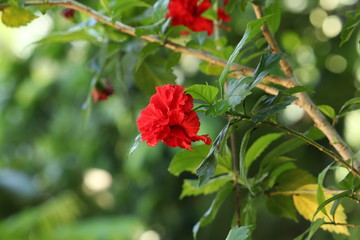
(305, 102)
(296, 192)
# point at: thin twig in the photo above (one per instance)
(304, 101)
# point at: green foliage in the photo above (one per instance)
(15, 16)
(350, 105)
(282, 206)
(353, 20)
(239, 233)
(327, 110)
(205, 93)
(65, 37)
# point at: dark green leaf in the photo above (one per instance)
(282, 206)
(334, 208)
(298, 89)
(150, 29)
(274, 10)
(248, 211)
(147, 50)
(136, 144)
(271, 105)
(233, 6)
(191, 187)
(210, 214)
(218, 109)
(239, 233)
(242, 165)
(350, 105)
(267, 62)
(290, 180)
(147, 77)
(15, 17)
(276, 172)
(252, 29)
(172, 60)
(320, 192)
(186, 160)
(350, 182)
(207, 167)
(353, 20)
(327, 110)
(314, 227)
(203, 92)
(259, 146)
(238, 90)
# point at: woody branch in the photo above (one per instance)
(304, 101)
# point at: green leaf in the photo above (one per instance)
(320, 192)
(350, 182)
(238, 90)
(210, 13)
(233, 6)
(191, 187)
(274, 10)
(218, 109)
(350, 105)
(267, 62)
(270, 105)
(136, 144)
(172, 60)
(353, 20)
(259, 147)
(242, 165)
(147, 76)
(16, 17)
(210, 69)
(207, 167)
(252, 29)
(239, 233)
(203, 92)
(290, 180)
(314, 227)
(327, 110)
(210, 214)
(105, 5)
(159, 9)
(282, 206)
(298, 89)
(287, 165)
(125, 5)
(185, 160)
(149, 29)
(149, 49)
(66, 37)
(248, 211)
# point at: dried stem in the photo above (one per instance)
(304, 101)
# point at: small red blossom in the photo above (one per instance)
(188, 13)
(101, 91)
(68, 13)
(169, 118)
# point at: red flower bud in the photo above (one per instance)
(68, 13)
(101, 91)
(169, 118)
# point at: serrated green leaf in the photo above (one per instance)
(350, 105)
(266, 63)
(210, 214)
(185, 160)
(203, 92)
(238, 90)
(147, 76)
(327, 110)
(252, 29)
(271, 105)
(218, 109)
(259, 147)
(239, 233)
(282, 206)
(66, 37)
(16, 17)
(191, 187)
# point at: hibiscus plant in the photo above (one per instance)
(236, 163)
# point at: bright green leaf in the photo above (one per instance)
(66, 37)
(210, 69)
(276, 172)
(203, 92)
(239, 233)
(353, 20)
(327, 110)
(274, 10)
(350, 105)
(191, 187)
(16, 17)
(210, 13)
(259, 146)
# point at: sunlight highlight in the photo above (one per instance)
(97, 180)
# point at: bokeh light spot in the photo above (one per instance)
(336, 63)
(317, 17)
(352, 129)
(150, 235)
(332, 26)
(97, 180)
(329, 5)
(295, 6)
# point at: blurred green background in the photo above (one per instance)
(65, 172)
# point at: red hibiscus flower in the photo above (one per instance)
(188, 13)
(101, 91)
(169, 118)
